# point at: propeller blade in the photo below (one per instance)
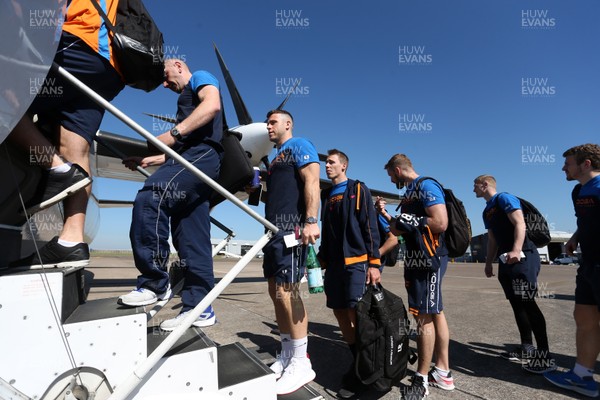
(162, 118)
(280, 107)
(241, 111)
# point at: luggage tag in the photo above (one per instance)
(504, 257)
(293, 239)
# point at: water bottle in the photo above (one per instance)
(313, 268)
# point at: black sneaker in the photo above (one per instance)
(55, 255)
(517, 354)
(56, 186)
(417, 391)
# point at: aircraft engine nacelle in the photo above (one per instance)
(255, 141)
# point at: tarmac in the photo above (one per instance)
(480, 319)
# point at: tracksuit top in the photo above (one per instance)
(83, 21)
(357, 233)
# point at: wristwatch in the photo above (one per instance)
(310, 220)
(175, 133)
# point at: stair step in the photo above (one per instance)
(237, 364)
(101, 309)
(193, 339)
(304, 393)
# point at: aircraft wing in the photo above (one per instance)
(108, 150)
(103, 203)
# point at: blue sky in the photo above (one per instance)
(462, 87)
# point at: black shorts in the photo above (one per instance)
(59, 102)
(345, 285)
(424, 288)
(519, 280)
(286, 265)
(587, 288)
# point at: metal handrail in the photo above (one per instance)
(125, 388)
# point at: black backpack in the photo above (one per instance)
(137, 44)
(382, 334)
(537, 226)
(458, 233)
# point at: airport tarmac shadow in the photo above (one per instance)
(329, 355)
(483, 360)
(568, 297)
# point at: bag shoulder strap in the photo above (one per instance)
(109, 24)
(423, 178)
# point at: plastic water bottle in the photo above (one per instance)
(313, 268)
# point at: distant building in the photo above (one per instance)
(547, 253)
(235, 248)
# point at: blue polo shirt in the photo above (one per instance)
(495, 218)
(187, 102)
(587, 211)
(286, 207)
(415, 202)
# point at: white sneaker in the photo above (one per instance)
(278, 366)
(297, 374)
(143, 297)
(207, 318)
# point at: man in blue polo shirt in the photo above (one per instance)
(175, 195)
(422, 223)
(582, 164)
(291, 204)
(517, 272)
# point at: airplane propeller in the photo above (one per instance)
(241, 111)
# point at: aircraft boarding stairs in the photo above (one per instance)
(55, 345)
(53, 342)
